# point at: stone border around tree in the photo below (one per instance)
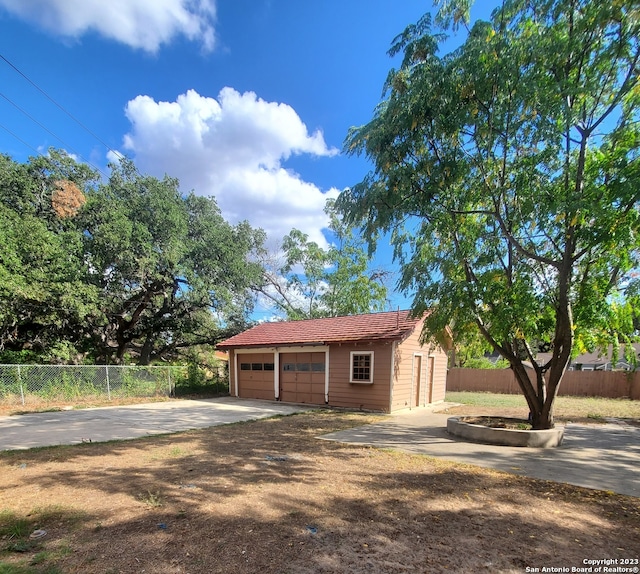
(547, 438)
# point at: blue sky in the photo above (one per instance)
(245, 100)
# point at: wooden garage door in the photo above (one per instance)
(302, 377)
(255, 376)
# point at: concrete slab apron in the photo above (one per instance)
(604, 457)
(132, 421)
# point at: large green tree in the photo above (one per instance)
(125, 269)
(507, 171)
(45, 299)
(172, 272)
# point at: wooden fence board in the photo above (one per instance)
(609, 384)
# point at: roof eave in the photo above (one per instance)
(272, 344)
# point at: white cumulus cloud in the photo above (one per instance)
(143, 24)
(233, 148)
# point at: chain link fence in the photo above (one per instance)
(34, 384)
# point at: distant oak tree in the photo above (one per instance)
(309, 281)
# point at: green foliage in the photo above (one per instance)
(21, 357)
(44, 296)
(316, 282)
(484, 363)
(13, 526)
(165, 263)
(15, 531)
(205, 375)
(507, 173)
(196, 376)
(125, 269)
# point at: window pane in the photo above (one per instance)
(360, 374)
(317, 367)
(245, 367)
(256, 366)
(361, 361)
(289, 367)
(302, 366)
(269, 366)
(361, 367)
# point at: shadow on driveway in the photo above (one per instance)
(603, 457)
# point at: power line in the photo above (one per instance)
(6, 129)
(67, 146)
(59, 106)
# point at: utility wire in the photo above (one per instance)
(106, 145)
(6, 129)
(59, 106)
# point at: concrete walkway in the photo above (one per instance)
(603, 457)
(131, 421)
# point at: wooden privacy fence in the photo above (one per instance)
(609, 384)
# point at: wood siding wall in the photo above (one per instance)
(610, 384)
(432, 385)
(376, 396)
(342, 393)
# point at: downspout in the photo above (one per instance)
(326, 376)
(391, 378)
(235, 371)
(276, 373)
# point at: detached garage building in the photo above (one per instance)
(373, 362)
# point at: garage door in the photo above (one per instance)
(255, 376)
(302, 377)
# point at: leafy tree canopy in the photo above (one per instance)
(44, 295)
(124, 269)
(315, 282)
(169, 267)
(507, 172)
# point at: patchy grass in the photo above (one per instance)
(268, 496)
(151, 499)
(594, 409)
(23, 552)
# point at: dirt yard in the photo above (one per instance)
(269, 497)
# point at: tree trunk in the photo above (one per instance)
(540, 417)
(145, 352)
(540, 405)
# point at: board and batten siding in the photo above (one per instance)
(432, 364)
(367, 396)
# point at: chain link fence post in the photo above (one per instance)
(106, 373)
(20, 383)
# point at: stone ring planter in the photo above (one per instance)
(505, 437)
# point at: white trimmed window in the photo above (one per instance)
(361, 367)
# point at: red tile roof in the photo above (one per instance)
(372, 327)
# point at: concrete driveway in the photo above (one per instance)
(132, 421)
(603, 457)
